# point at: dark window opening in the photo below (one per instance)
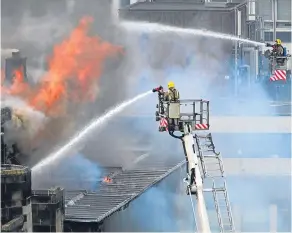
(285, 37)
(269, 36)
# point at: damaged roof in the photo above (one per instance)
(178, 6)
(124, 186)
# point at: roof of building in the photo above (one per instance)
(178, 6)
(130, 182)
(124, 186)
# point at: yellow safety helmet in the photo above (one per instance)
(170, 84)
(278, 41)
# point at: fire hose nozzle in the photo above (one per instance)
(157, 89)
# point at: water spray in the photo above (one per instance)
(159, 29)
(100, 121)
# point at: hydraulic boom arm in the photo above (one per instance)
(194, 180)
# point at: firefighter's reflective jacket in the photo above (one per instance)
(171, 95)
(278, 50)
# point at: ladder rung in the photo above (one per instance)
(214, 176)
(223, 212)
(215, 173)
(213, 165)
(225, 225)
(219, 189)
(221, 199)
(212, 162)
(222, 202)
(228, 224)
(210, 157)
(214, 170)
(223, 206)
(226, 213)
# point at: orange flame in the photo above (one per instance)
(74, 70)
(107, 179)
(18, 87)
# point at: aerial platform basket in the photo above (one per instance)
(191, 111)
(277, 62)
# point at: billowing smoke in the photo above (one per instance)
(34, 123)
(73, 64)
(79, 173)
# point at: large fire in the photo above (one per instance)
(73, 72)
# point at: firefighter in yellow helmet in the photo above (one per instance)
(278, 49)
(172, 94)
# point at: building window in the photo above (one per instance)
(265, 9)
(284, 10)
(284, 36)
(283, 25)
(269, 36)
(268, 25)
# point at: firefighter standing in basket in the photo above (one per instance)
(278, 49)
(172, 94)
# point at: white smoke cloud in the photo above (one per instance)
(26, 123)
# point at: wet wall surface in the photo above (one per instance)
(253, 145)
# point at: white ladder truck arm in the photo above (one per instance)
(202, 162)
(194, 180)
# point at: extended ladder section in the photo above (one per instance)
(211, 162)
(212, 168)
(223, 209)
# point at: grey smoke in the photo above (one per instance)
(34, 27)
